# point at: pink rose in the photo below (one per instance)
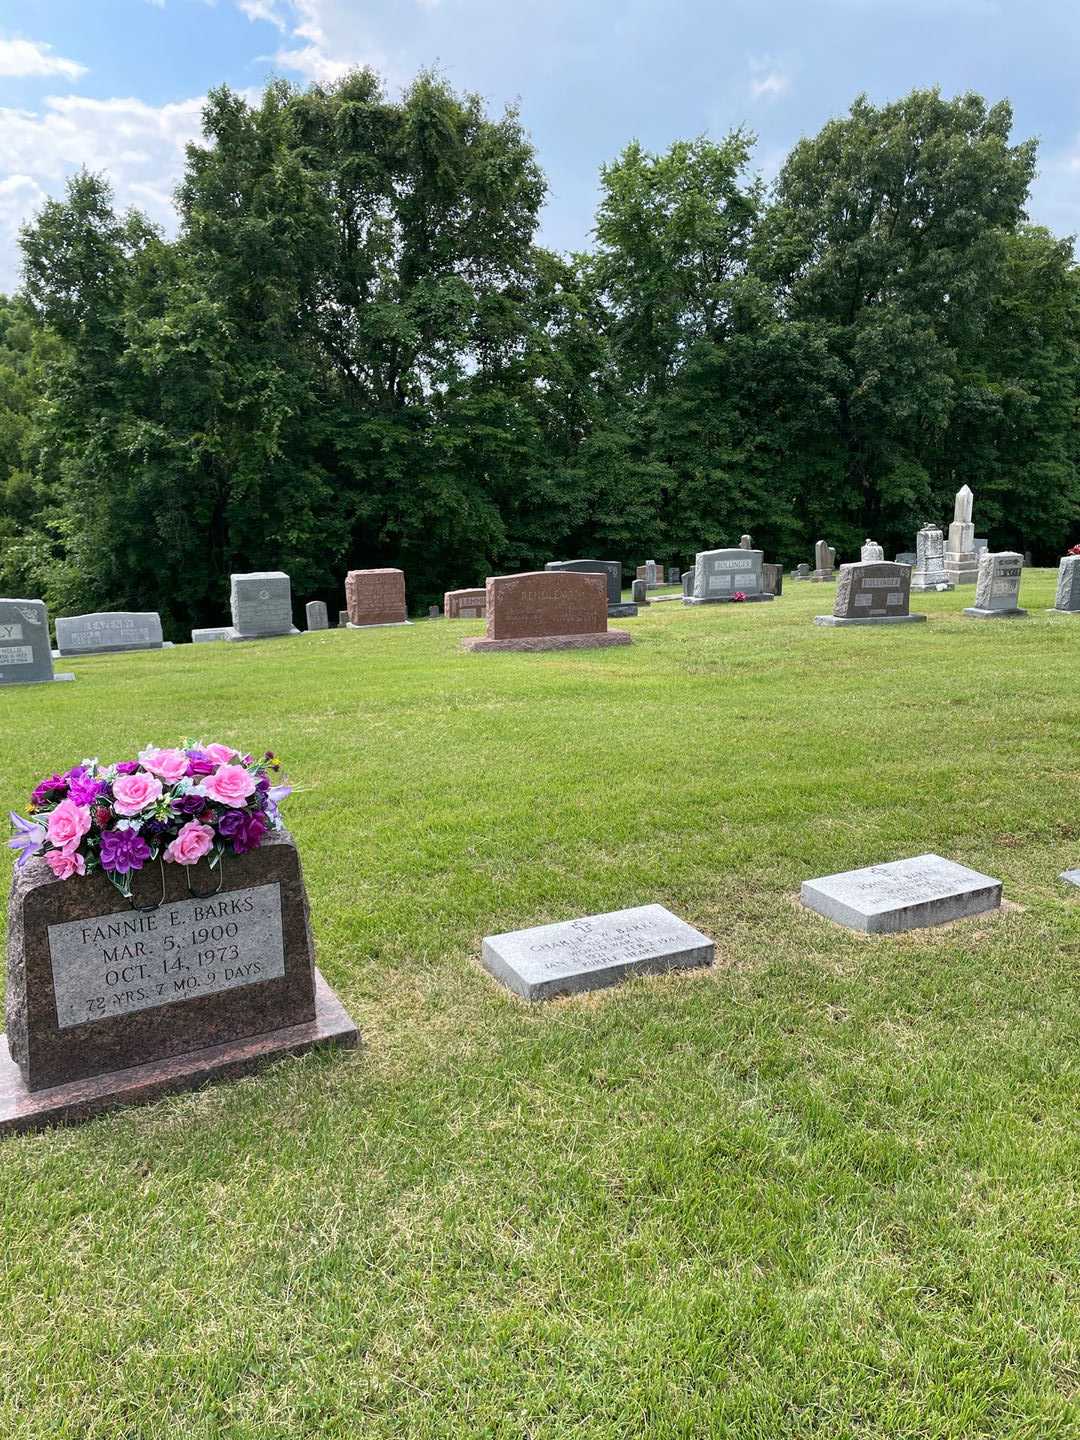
(193, 842)
(68, 823)
(63, 865)
(170, 765)
(229, 785)
(221, 753)
(133, 793)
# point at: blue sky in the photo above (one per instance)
(117, 84)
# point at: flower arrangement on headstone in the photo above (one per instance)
(178, 806)
(207, 970)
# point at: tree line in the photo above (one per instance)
(355, 353)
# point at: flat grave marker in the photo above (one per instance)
(572, 956)
(902, 895)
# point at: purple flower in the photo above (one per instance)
(48, 790)
(123, 850)
(189, 804)
(231, 823)
(251, 833)
(28, 839)
(199, 763)
(83, 790)
(127, 767)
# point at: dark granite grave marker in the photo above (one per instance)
(872, 592)
(107, 1003)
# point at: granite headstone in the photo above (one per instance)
(595, 951)
(1068, 585)
(546, 610)
(610, 569)
(961, 561)
(261, 604)
(375, 597)
(108, 631)
(872, 592)
(25, 648)
(316, 616)
(720, 574)
(929, 571)
(998, 587)
(902, 895)
(465, 604)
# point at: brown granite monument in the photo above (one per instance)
(375, 597)
(111, 1004)
(465, 604)
(547, 610)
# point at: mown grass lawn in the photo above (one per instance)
(828, 1188)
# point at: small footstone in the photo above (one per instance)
(1071, 877)
(902, 895)
(593, 952)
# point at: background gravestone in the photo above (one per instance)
(375, 597)
(719, 574)
(961, 561)
(929, 572)
(110, 630)
(823, 562)
(1068, 586)
(639, 590)
(261, 604)
(801, 571)
(872, 592)
(547, 610)
(745, 543)
(687, 582)
(107, 1003)
(673, 576)
(25, 648)
(871, 550)
(316, 616)
(610, 569)
(772, 579)
(906, 557)
(465, 604)
(998, 587)
(210, 633)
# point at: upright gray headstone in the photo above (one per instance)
(1068, 586)
(109, 630)
(595, 951)
(906, 557)
(998, 586)
(433, 612)
(801, 571)
(25, 648)
(872, 592)
(316, 616)
(980, 545)
(639, 590)
(652, 574)
(687, 582)
(673, 575)
(961, 562)
(720, 574)
(929, 572)
(823, 561)
(745, 542)
(343, 619)
(902, 895)
(871, 550)
(261, 605)
(610, 569)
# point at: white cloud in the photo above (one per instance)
(30, 57)
(139, 147)
(272, 11)
(328, 38)
(769, 79)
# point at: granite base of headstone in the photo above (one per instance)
(316, 616)
(1067, 600)
(375, 598)
(872, 592)
(210, 634)
(108, 632)
(546, 610)
(902, 895)
(596, 951)
(720, 575)
(25, 648)
(998, 587)
(261, 605)
(108, 1004)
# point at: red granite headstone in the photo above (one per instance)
(107, 1003)
(465, 604)
(375, 597)
(547, 610)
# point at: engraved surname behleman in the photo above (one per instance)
(110, 965)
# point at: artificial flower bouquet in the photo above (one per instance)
(181, 805)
